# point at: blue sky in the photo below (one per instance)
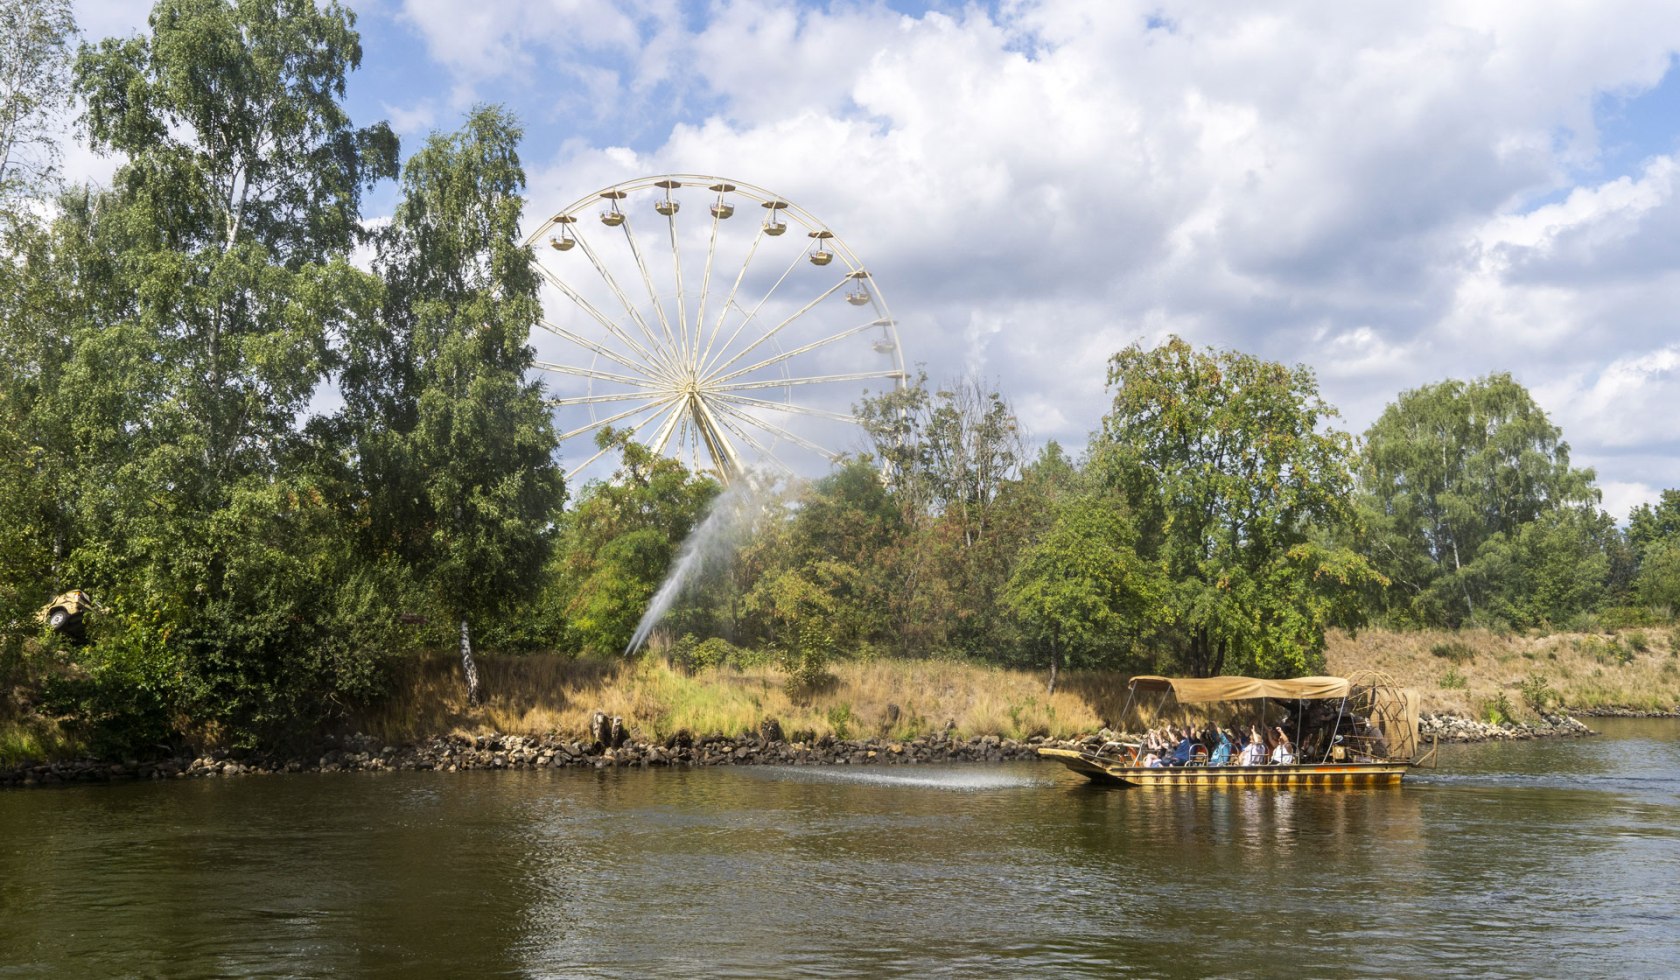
(1391, 193)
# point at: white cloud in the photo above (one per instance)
(1038, 184)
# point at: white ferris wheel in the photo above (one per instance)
(716, 334)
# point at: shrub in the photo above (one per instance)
(840, 719)
(1638, 640)
(806, 663)
(1537, 692)
(1452, 680)
(1456, 651)
(1497, 709)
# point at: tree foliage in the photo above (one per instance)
(36, 38)
(1448, 468)
(478, 458)
(1081, 594)
(1234, 486)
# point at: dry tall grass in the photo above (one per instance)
(1468, 671)
(543, 693)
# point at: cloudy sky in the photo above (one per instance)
(1391, 193)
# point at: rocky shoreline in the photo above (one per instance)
(1451, 728)
(456, 753)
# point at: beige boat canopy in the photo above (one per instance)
(1196, 690)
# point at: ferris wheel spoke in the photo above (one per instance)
(663, 435)
(589, 308)
(793, 407)
(790, 354)
(705, 285)
(707, 428)
(591, 373)
(813, 380)
(727, 419)
(594, 348)
(778, 328)
(730, 301)
(652, 403)
(760, 305)
(682, 301)
(626, 396)
(647, 280)
(636, 430)
(618, 291)
(783, 433)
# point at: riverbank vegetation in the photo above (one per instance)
(309, 493)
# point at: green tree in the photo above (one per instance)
(198, 298)
(35, 47)
(1081, 594)
(1546, 571)
(1235, 485)
(1446, 468)
(1649, 524)
(619, 539)
(948, 457)
(838, 560)
(462, 293)
(1658, 583)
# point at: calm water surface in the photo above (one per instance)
(1536, 859)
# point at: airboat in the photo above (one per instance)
(1358, 731)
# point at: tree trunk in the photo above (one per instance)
(469, 668)
(1052, 669)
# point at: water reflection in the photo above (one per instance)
(1539, 858)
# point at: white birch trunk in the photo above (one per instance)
(469, 668)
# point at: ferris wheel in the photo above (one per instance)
(721, 337)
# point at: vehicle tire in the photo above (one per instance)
(57, 618)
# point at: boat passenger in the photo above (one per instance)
(1152, 761)
(1182, 752)
(1221, 751)
(1284, 753)
(1252, 754)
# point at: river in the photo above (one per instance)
(1552, 858)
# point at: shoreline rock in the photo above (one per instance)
(1453, 728)
(459, 753)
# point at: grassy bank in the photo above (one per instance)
(1479, 674)
(535, 694)
(1474, 674)
(1471, 673)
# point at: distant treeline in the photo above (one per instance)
(260, 563)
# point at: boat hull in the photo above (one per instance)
(1325, 775)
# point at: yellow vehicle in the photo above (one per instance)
(64, 613)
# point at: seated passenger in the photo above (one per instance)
(1221, 751)
(1183, 750)
(1252, 754)
(1284, 753)
(1152, 761)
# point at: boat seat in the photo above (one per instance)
(1198, 756)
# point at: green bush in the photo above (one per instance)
(840, 719)
(1538, 694)
(126, 697)
(1452, 680)
(1497, 709)
(1456, 651)
(1622, 617)
(806, 662)
(1637, 640)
